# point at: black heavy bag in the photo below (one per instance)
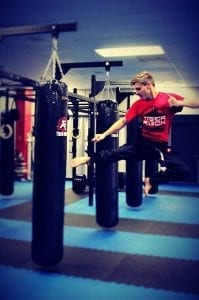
(151, 167)
(49, 173)
(7, 153)
(133, 168)
(106, 175)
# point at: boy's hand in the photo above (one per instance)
(173, 102)
(98, 137)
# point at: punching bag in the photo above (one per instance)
(49, 173)
(7, 153)
(133, 169)
(106, 175)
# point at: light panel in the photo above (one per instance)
(130, 51)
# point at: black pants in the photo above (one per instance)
(143, 149)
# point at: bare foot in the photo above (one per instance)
(78, 161)
(147, 186)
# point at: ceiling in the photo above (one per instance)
(173, 24)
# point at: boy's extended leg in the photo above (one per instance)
(78, 161)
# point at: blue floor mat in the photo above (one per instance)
(180, 207)
(26, 284)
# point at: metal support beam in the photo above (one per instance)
(32, 29)
(120, 95)
(17, 78)
(94, 64)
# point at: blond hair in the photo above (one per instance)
(143, 77)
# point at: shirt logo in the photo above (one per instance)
(154, 121)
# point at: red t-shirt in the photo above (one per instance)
(156, 116)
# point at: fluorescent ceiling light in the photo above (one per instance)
(130, 51)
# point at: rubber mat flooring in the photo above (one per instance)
(152, 254)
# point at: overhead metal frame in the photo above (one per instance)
(34, 29)
(94, 64)
(54, 29)
(18, 78)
